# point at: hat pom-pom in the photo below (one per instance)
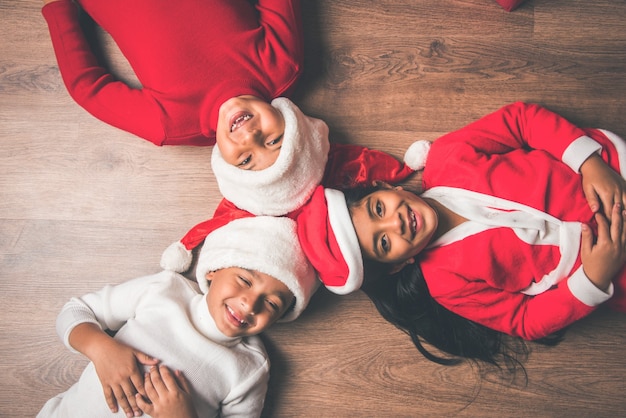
(176, 258)
(416, 154)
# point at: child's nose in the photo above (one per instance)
(250, 302)
(252, 137)
(393, 223)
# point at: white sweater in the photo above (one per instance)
(165, 316)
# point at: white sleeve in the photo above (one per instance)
(578, 151)
(247, 399)
(109, 307)
(585, 291)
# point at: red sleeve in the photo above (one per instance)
(510, 312)
(520, 125)
(91, 85)
(284, 36)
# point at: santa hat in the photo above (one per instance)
(329, 241)
(288, 183)
(417, 153)
(328, 237)
(265, 244)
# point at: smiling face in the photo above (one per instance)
(246, 302)
(393, 225)
(249, 132)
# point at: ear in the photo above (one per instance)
(399, 266)
(209, 276)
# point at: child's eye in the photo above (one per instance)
(275, 141)
(244, 281)
(384, 243)
(379, 209)
(246, 161)
(273, 305)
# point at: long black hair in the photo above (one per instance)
(404, 300)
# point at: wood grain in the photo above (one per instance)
(83, 204)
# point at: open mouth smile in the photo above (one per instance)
(235, 319)
(412, 223)
(238, 120)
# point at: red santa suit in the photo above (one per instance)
(515, 265)
(189, 56)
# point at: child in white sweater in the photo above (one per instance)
(252, 272)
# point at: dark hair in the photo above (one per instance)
(404, 300)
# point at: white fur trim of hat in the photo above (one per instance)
(417, 153)
(265, 244)
(288, 183)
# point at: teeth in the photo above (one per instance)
(241, 322)
(241, 119)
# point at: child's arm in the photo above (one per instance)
(602, 185)
(167, 395)
(91, 85)
(116, 365)
(81, 324)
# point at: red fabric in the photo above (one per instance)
(348, 166)
(510, 5)
(513, 154)
(318, 240)
(353, 165)
(189, 56)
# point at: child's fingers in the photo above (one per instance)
(157, 380)
(126, 399)
(183, 382)
(593, 200)
(168, 378)
(151, 392)
(586, 239)
(110, 398)
(617, 223)
(143, 404)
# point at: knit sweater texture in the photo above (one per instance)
(165, 316)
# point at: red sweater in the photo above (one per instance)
(514, 154)
(189, 56)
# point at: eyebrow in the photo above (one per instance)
(368, 203)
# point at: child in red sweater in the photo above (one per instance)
(209, 70)
(211, 73)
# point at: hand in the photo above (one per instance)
(604, 258)
(603, 186)
(168, 395)
(117, 366)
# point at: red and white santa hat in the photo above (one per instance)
(265, 244)
(325, 227)
(329, 241)
(328, 237)
(288, 183)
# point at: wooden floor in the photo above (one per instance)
(83, 204)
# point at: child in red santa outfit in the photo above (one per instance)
(252, 273)
(519, 231)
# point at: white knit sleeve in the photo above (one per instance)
(109, 307)
(248, 397)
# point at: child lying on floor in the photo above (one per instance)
(252, 272)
